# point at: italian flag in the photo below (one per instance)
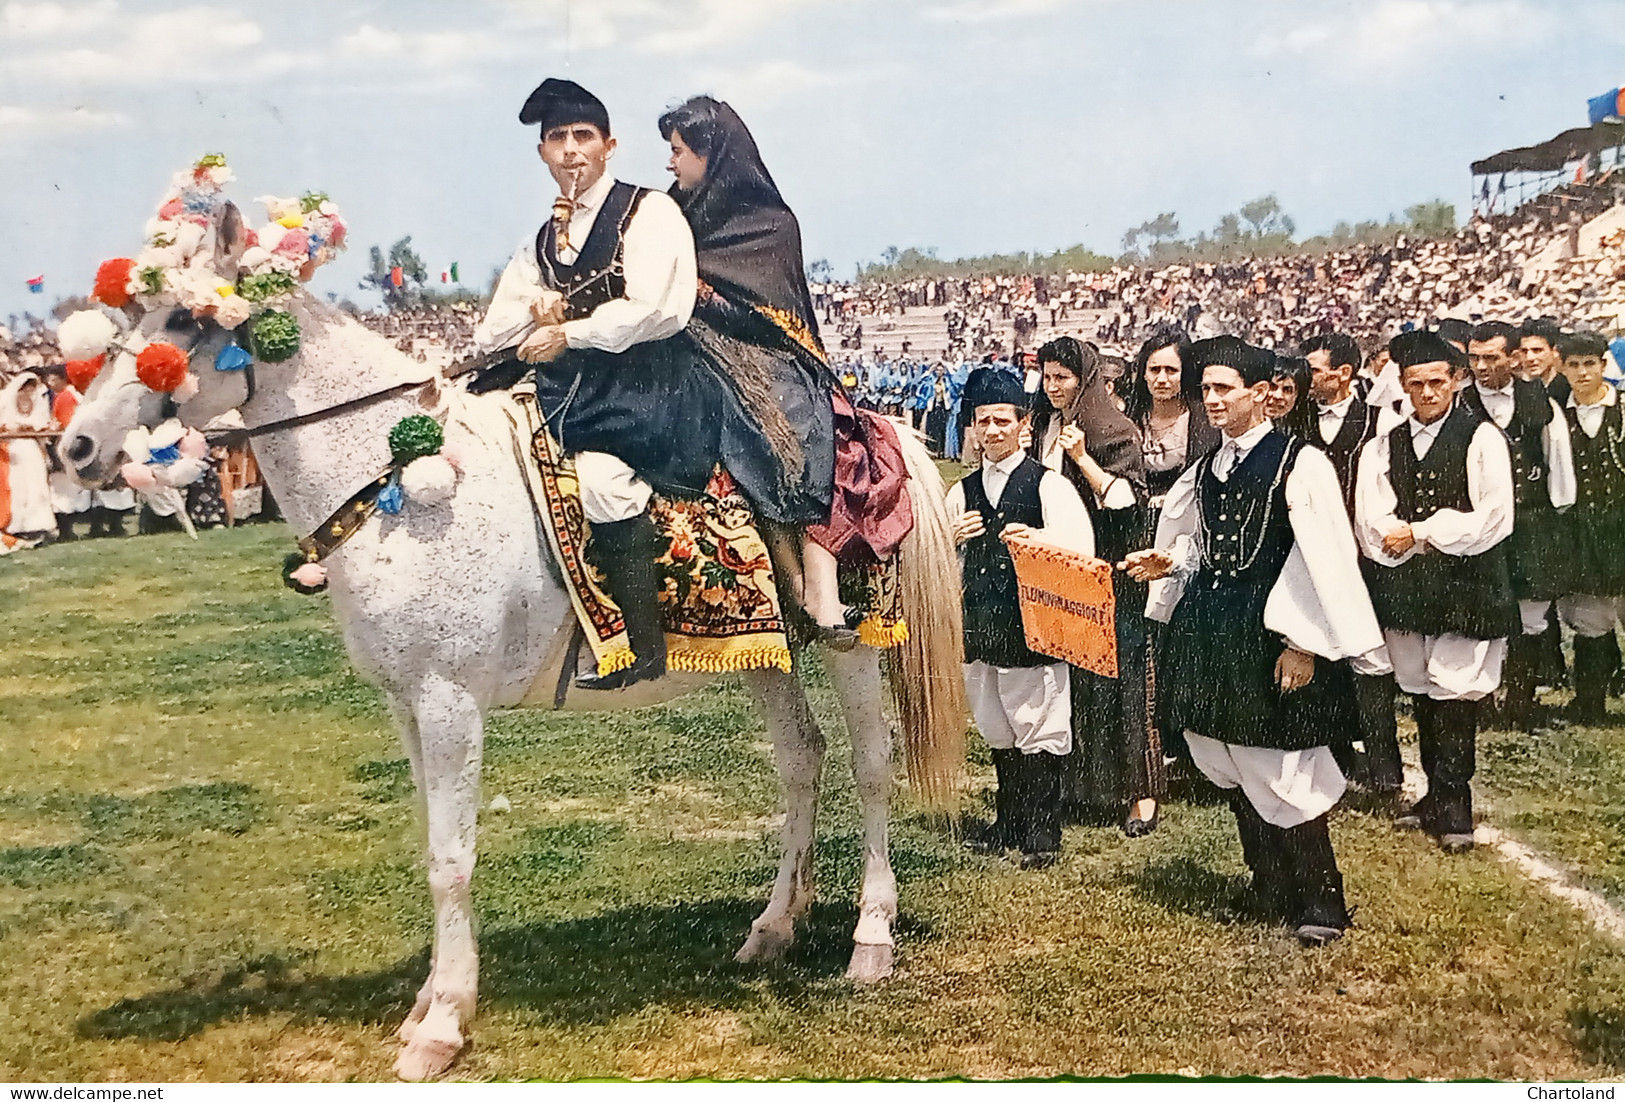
(449, 275)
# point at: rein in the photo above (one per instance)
(239, 436)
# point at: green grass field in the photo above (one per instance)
(210, 870)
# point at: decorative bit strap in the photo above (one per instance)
(345, 522)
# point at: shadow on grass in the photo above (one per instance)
(576, 972)
(1601, 1034)
(1183, 886)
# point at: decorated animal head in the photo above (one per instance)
(179, 326)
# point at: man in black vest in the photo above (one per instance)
(1433, 512)
(1346, 423)
(597, 300)
(1256, 575)
(1594, 545)
(1543, 484)
(1021, 700)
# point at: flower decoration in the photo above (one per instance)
(274, 336)
(232, 357)
(113, 281)
(177, 267)
(85, 334)
(415, 437)
(161, 366)
(81, 373)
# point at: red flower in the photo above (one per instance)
(161, 366)
(111, 280)
(81, 373)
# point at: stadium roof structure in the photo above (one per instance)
(1555, 153)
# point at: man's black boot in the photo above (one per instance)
(626, 551)
(1419, 816)
(1520, 677)
(1595, 660)
(1453, 762)
(999, 835)
(1271, 894)
(1379, 730)
(1322, 914)
(1040, 839)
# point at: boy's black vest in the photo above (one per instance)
(1343, 449)
(993, 631)
(1432, 593)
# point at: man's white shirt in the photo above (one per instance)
(660, 272)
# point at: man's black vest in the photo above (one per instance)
(1533, 552)
(1432, 593)
(993, 631)
(1343, 449)
(1595, 562)
(597, 276)
(1246, 533)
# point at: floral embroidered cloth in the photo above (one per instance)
(721, 607)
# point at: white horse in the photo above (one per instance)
(452, 611)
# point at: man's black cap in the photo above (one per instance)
(558, 102)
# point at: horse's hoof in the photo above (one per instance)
(870, 964)
(764, 946)
(426, 1058)
(409, 1026)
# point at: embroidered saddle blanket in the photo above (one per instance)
(721, 606)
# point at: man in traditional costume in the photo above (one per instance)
(1543, 485)
(598, 300)
(1593, 549)
(1346, 423)
(1433, 511)
(1256, 575)
(1021, 699)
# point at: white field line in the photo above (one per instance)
(1603, 915)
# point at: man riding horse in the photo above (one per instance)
(601, 296)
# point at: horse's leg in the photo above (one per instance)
(451, 731)
(412, 743)
(857, 676)
(798, 747)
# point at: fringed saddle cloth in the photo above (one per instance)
(721, 606)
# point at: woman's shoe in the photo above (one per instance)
(1136, 827)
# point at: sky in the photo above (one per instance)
(971, 126)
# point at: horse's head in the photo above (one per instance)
(173, 335)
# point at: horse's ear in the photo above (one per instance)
(230, 240)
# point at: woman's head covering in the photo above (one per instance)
(746, 240)
(37, 418)
(1110, 437)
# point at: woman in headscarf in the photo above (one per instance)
(1165, 401)
(841, 473)
(1115, 771)
(25, 408)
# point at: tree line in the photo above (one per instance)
(1259, 228)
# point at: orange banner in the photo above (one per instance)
(1067, 607)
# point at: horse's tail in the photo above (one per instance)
(926, 672)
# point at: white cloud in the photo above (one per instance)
(46, 20)
(1391, 31)
(770, 82)
(991, 11)
(17, 122)
(430, 49)
(709, 23)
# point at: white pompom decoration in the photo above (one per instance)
(430, 480)
(85, 334)
(186, 391)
